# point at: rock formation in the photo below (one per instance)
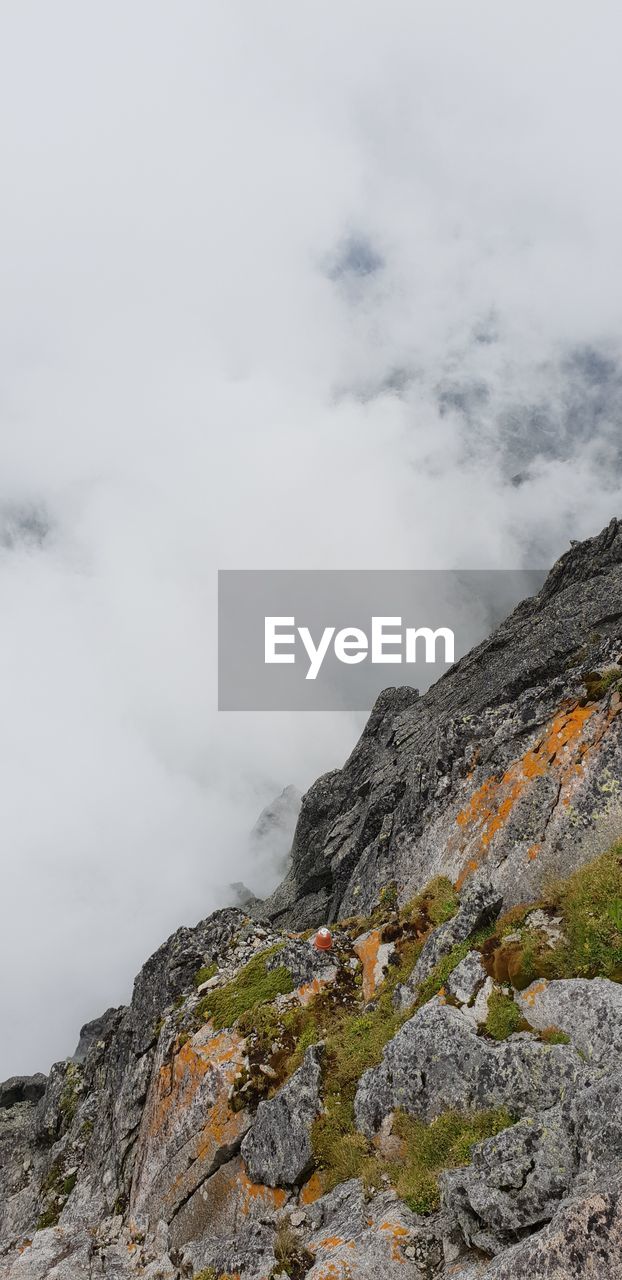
(440, 1095)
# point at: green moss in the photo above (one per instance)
(599, 683)
(49, 1217)
(590, 902)
(207, 1273)
(504, 1016)
(388, 897)
(436, 903)
(70, 1095)
(255, 985)
(203, 975)
(68, 1184)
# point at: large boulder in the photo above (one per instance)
(277, 1150)
(438, 1062)
(588, 1010)
(515, 1181)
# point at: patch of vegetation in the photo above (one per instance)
(290, 1254)
(255, 985)
(55, 1189)
(599, 683)
(436, 903)
(590, 902)
(388, 897)
(203, 975)
(70, 1096)
(554, 1035)
(504, 1017)
(428, 1149)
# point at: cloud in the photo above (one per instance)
(332, 288)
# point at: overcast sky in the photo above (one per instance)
(312, 285)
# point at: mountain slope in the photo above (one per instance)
(436, 1095)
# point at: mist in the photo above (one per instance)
(282, 287)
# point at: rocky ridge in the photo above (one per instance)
(438, 1095)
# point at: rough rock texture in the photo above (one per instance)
(515, 1181)
(480, 903)
(177, 1138)
(589, 1011)
(498, 765)
(467, 978)
(437, 1061)
(277, 1151)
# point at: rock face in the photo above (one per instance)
(498, 766)
(248, 1113)
(438, 1062)
(278, 1149)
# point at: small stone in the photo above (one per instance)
(297, 1217)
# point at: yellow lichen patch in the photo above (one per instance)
(561, 751)
(529, 996)
(256, 1193)
(330, 1242)
(367, 948)
(312, 1190)
(399, 1235)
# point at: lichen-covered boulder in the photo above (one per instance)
(352, 1236)
(588, 1010)
(277, 1150)
(582, 1242)
(514, 1181)
(437, 1062)
(188, 1126)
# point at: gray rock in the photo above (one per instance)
(467, 978)
(304, 962)
(21, 1089)
(515, 1181)
(437, 1061)
(596, 1120)
(582, 1242)
(480, 903)
(588, 1010)
(277, 1150)
(431, 786)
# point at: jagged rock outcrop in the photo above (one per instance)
(502, 764)
(278, 1151)
(438, 1062)
(261, 1108)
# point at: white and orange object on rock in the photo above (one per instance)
(323, 940)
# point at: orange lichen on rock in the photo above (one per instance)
(367, 948)
(529, 996)
(252, 1193)
(560, 751)
(179, 1081)
(399, 1235)
(312, 1190)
